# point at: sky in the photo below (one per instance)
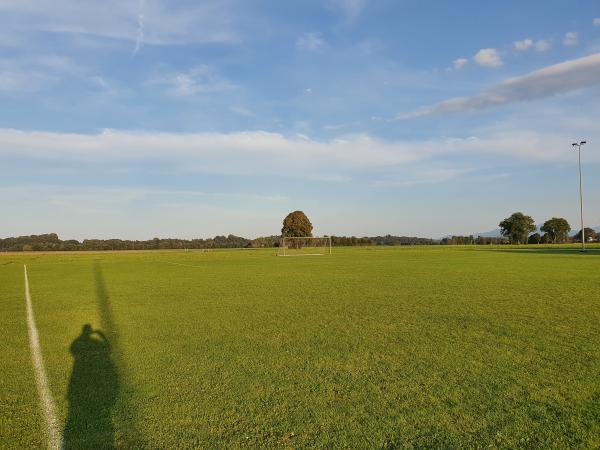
(137, 119)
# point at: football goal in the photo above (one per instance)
(305, 246)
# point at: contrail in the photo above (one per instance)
(140, 31)
(46, 401)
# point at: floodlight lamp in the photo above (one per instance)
(574, 144)
(582, 142)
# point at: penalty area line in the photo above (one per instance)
(41, 379)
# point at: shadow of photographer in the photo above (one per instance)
(92, 393)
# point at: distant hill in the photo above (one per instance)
(575, 230)
(492, 233)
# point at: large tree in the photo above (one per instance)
(517, 227)
(590, 235)
(557, 229)
(296, 224)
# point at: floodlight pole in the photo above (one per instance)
(578, 145)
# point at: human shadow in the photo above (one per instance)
(92, 393)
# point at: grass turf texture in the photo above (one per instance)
(373, 347)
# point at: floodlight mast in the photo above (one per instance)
(578, 145)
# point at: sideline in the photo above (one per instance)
(46, 401)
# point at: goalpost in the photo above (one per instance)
(305, 246)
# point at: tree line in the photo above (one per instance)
(516, 229)
(521, 229)
(51, 242)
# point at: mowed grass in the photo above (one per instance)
(423, 347)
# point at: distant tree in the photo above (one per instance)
(535, 238)
(557, 229)
(589, 233)
(296, 224)
(546, 239)
(517, 227)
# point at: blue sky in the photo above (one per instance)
(146, 118)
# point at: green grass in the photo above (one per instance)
(435, 347)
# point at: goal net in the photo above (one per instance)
(305, 246)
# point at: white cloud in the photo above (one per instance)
(246, 153)
(157, 23)
(549, 81)
(523, 45)
(571, 38)
(460, 63)
(596, 21)
(340, 126)
(198, 80)
(260, 153)
(425, 176)
(310, 41)
(67, 195)
(488, 57)
(542, 45)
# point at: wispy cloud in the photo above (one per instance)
(198, 80)
(523, 45)
(241, 153)
(571, 38)
(542, 45)
(596, 22)
(241, 110)
(100, 82)
(140, 29)
(350, 9)
(552, 80)
(262, 153)
(340, 126)
(68, 194)
(310, 41)
(425, 176)
(32, 74)
(459, 63)
(488, 57)
(156, 22)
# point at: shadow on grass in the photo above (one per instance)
(96, 382)
(549, 251)
(92, 393)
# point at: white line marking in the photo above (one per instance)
(46, 400)
(184, 265)
(305, 254)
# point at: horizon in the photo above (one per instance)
(490, 233)
(152, 119)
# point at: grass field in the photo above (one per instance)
(370, 348)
